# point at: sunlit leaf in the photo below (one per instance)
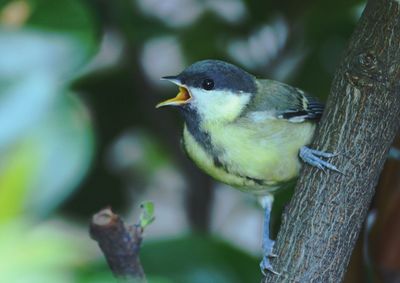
(147, 214)
(38, 254)
(48, 161)
(46, 135)
(17, 171)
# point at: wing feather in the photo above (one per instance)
(285, 102)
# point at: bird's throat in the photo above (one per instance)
(193, 125)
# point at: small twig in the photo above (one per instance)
(121, 244)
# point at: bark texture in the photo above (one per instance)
(120, 245)
(323, 221)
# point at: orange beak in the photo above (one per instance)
(181, 98)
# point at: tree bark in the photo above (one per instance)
(120, 245)
(323, 221)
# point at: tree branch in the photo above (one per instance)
(325, 216)
(119, 244)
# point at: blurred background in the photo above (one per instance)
(79, 131)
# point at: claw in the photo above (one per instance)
(312, 157)
(265, 265)
(322, 153)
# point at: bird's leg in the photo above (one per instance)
(267, 242)
(313, 157)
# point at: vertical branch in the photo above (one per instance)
(325, 216)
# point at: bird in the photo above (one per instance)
(249, 133)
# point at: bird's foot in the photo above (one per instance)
(265, 264)
(313, 158)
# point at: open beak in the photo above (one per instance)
(181, 98)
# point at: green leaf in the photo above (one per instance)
(64, 143)
(198, 259)
(40, 253)
(147, 214)
(58, 37)
(17, 169)
(46, 139)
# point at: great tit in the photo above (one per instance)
(246, 132)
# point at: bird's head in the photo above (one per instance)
(217, 91)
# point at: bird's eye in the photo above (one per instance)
(208, 84)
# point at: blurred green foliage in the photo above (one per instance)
(78, 85)
(196, 259)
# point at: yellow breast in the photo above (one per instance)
(251, 157)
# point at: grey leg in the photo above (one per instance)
(312, 157)
(267, 243)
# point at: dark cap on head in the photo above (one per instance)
(218, 74)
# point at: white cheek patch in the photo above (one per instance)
(219, 104)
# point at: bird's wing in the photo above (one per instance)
(281, 101)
